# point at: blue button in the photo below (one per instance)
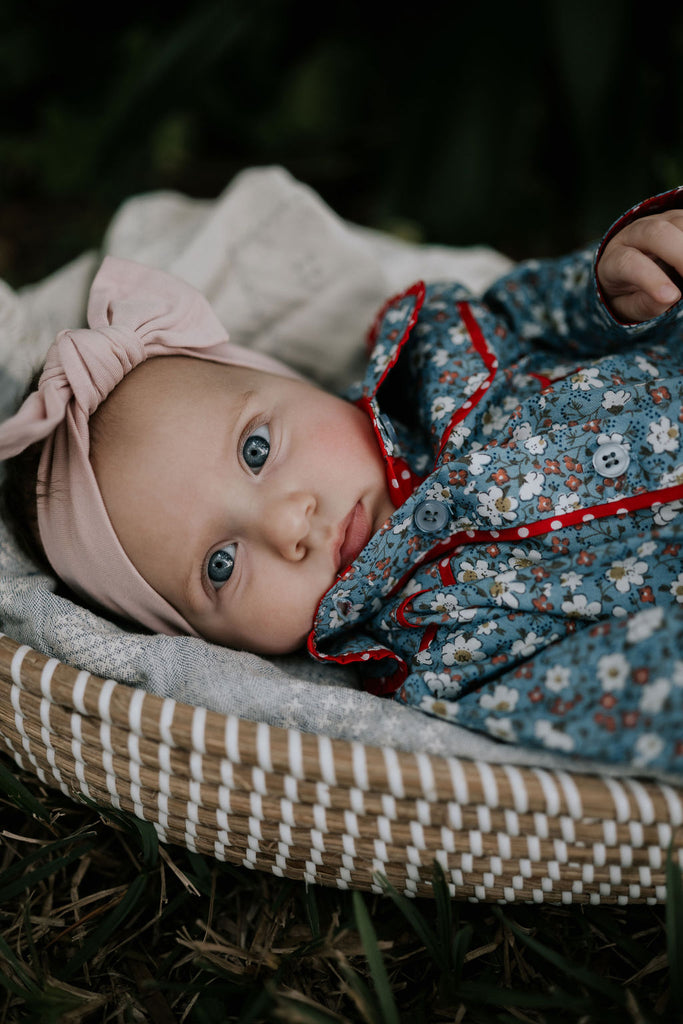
(431, 516)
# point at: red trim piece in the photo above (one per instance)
(401, 610)
(386, 684)
(428, 636)
(446, 572)
(551, 524)
(545, 382)
(465, 537)
(378, 686)
(490, 361)
(418, 290)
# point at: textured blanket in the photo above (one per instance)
(288, 277)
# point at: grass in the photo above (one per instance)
(99, 923)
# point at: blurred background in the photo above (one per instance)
(529, 126)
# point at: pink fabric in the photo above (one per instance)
(134, 313)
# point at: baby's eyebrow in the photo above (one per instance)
(241, 401)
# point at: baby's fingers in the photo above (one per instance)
(642, 265)
(637, 285)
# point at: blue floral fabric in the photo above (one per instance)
(530, 582)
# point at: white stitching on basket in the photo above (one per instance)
(15, 666)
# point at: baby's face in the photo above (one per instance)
(238, 495)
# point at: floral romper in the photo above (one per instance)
(530, 582)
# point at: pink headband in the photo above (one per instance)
(134, 313)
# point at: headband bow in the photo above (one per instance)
(134, 313)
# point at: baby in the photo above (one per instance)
(473, 505)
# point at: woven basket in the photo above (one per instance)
(333, 812)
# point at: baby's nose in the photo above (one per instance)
(288, 523)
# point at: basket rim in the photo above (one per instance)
(333, 811)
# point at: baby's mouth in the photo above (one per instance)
(355, 535)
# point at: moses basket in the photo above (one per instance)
(333, 812)
(301, 805)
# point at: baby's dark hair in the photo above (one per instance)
(19, 497)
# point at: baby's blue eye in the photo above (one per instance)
(220, 566)
(256, 449)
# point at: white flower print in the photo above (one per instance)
(614, 439)
(461, 651)
(567, 501)
(575, 276)
(486, 628)
(423, 657)
(478, 463)
(438, 492)
(676, 588)
(664, 436)
(503, 698)
(648, 747)
(379, 359)
(458, 335)
(441, 685)
(441, 406)
(396, 312)
(440, 708)
(581, 608)
(675, 476)
(459, 435)
(471, 571)
(501, 729)
(646, 548)
(627, 573)
(585, 379)
(521, 559)
(494, 420)
(663, 514)
(440, 357)
(504, 587)
(557, 678)
(474, 383)
(344, 610)
(522, 432)
(534, 482)
(613, 671)
(614, 401)
(551, 737)
(402, 526)
(654, 696)
(496, 506)
(571, 580)
(643, 624)
(444, 603)
(645, 366)
(536, 445)
(524, 648)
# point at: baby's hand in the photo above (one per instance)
(634, 270)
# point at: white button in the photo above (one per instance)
(611, 459)
(431, 516)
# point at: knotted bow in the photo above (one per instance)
(134, 313)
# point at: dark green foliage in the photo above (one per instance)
(526, 126)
